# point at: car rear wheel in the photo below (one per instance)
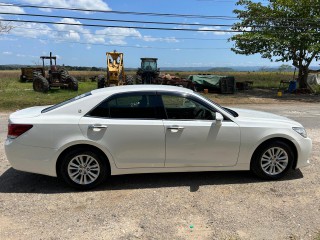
(83, 169)
(273, 160)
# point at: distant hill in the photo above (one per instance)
(221, 69)
(171, 69)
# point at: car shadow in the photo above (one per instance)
(13, 181)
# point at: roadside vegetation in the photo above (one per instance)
(16, 95)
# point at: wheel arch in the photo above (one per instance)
(82, 146)
(282, 139)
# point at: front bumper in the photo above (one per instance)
(304, 148)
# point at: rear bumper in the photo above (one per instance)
(31, 159)
(304, 148)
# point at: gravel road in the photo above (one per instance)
(214, 205)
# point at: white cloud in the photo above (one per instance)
(84, 4)
(78, 33)
(11, 9)
(117, 35)
(147, 38)
(57, 32)
(33, 30)
(20, 55)
(91, 38)
(7, 53)
(39, 30)
(63, 27)
(212, 30)
(43, 41)
(68, 32)
(73, 36)
(3, 38)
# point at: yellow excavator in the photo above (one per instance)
(115, 71)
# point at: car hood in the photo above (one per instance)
(253, 115)
(28, 112)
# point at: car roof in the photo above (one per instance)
(142, 87)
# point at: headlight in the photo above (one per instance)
(301, 131)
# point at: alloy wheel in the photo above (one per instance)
(83, 169)
(274, 161)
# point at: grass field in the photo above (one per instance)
(15, 95)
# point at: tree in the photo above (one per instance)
(282, 30)
(5, 27)
(285, 68)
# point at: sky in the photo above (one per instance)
(87, 46)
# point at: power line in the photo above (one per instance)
(146, 22)
(151, 13)
(116, 20)
(131, 27)
(124, 12)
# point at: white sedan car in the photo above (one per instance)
(150, 128)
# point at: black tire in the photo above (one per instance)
(101, 81)
(23, 78)
(129, 80)
(72, 83)
(70, 169)
(272, 161)
(64, 75)
(120, 79)
(40, 84)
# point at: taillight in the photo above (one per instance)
(15, 130)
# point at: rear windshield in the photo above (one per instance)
(65, 102)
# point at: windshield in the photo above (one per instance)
(149, 65)
(233, 113)
(65, 102)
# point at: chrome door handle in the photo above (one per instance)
(97, 126)
(175, 128)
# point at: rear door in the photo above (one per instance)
(127, 125)
(194, 139)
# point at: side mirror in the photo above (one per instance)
(219, 118)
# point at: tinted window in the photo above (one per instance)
(141, 106)
(178, 107)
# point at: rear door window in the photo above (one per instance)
(131, 106)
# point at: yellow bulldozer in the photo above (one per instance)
(115, 71)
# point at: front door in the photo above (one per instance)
(194, 139)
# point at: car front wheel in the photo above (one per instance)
(272, 160)
(83, 169)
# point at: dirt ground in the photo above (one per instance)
(210, 205)
(263, 96)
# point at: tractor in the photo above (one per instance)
(148, 73)
(55, 77)
(115, 71)
(28, 72)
